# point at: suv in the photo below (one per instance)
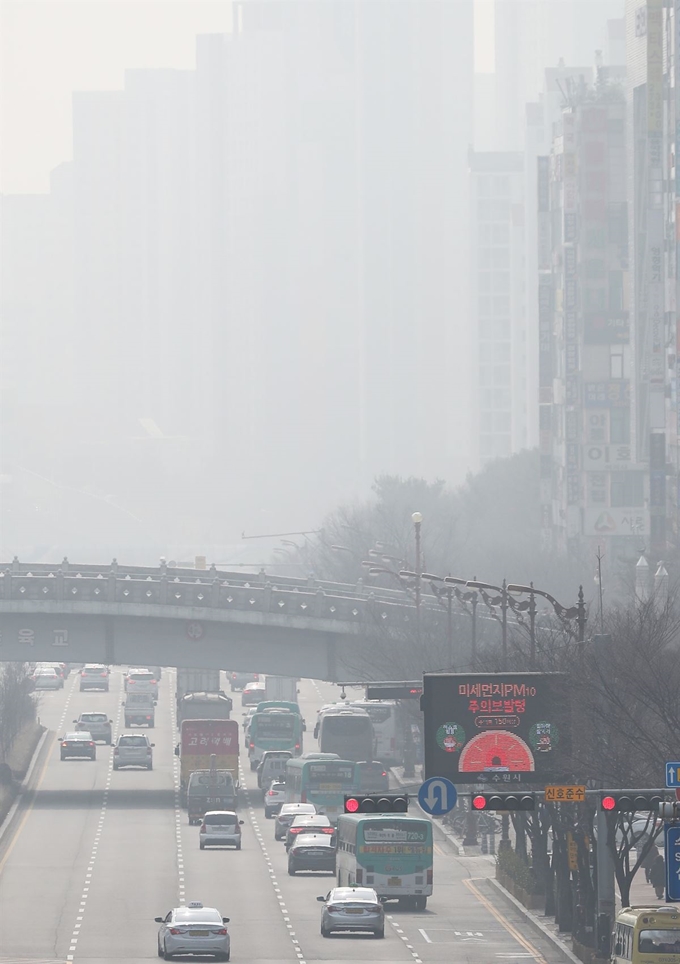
(98, 724)
(94, 676)
(286, 815)
(252, 693)
(373, 777)
(141, 681)
(140, 710)
(221, 828)
(133, 750)
(274, 799)
(272, 766)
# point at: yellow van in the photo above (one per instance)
(647, 935)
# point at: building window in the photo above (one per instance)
(616, 290)
(595, 298)
(616, 362)
(627, 489)
(501, 306)
(501, 186)
(594, 268)
(501, 233)
(619, 426)
(595, 238)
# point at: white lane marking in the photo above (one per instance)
(178, 809)
(73, 944)
(395, 926)
(429, 940)
(272, 876)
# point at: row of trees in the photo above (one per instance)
(623, 679)
(17, 708)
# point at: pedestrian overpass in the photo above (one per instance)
(185, 617)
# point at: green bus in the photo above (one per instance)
(322, 779)
(274, 726)
(387, 851)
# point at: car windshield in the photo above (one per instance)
(658, 941)
(94, 718)
(206, 915)
(132, 741)
(295, 808)
(141, 677)
(46, 672)
(77, 736)
(278, 787)
(314, 819)
(94, 669)
(313, 840)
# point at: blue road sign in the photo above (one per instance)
(673, 774)
(437, 796)
(672, 834)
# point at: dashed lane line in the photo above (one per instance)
(181, 875)
(403, 937)
(252, 816)
(73, 943)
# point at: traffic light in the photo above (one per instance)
(630, 801)
(376, 803)
(670, 811)
(503, 801)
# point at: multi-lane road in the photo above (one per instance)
(92, 856)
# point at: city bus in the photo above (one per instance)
(390, 852)
(347, 731)
(322, 779)
(274, 726)
(389, 727)
(647, 935)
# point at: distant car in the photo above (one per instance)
(246, 723)
(94, 676)
(311, 851)
(141, 681)
(193, 929)
(46, 679)
(61, 668)
(220, 828)
(78, 744)
(98, 724)
(373, 777)
(156, 670)
(133, 750)
(310, 823)
(274, 799)
(252, 693)
(238, 680)
(286, 815)
(352, 909)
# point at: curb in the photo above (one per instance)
(11, 813)
(531, 919)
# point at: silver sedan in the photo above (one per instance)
(193, 929)
(352, 909)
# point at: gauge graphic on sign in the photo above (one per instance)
(496, 751)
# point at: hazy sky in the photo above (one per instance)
(49, 48)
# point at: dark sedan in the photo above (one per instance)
(78, 744)
(311, 851)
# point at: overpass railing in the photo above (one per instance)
(211, 588)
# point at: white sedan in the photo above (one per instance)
(193, 929)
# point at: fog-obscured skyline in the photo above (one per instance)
(240, 274)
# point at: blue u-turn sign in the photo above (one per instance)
(437, 796)
(672, 862)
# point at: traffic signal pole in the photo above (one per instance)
(606, 889)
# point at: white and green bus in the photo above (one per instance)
(390, 852)
(322, 779)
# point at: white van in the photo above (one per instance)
(272, 767)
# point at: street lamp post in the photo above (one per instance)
(417, 520)
(577, 612)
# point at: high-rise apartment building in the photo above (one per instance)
(653, 114)
(501, 398)
(594, 488)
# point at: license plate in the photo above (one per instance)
(394, 881)
(198, 933)
(354, 910)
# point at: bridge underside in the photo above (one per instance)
(145, 639)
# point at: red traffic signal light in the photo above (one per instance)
(630, 801)
(376, 803)
(504, 801)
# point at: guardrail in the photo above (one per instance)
(210, 588)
